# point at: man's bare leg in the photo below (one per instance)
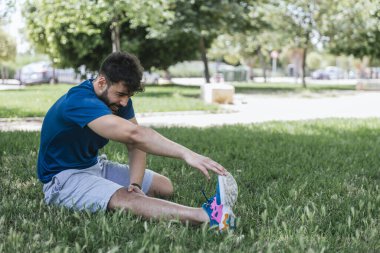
(149, 207)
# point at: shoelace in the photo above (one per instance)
(208, 200)
(204, 194)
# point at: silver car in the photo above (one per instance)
(43, 72)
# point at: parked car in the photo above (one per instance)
(37, 72)
(43, 72)
(319, 74)
(330, 73)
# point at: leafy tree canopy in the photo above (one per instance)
(7, 47)
(75, 33)
(355, 28)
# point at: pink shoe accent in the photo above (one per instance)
(216, 211)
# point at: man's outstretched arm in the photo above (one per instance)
(137, 162)
(146, 139)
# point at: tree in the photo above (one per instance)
(302, 22)
(205, 20)
(145, 13)
(355, 30)
(252, 44)
(71, 31)
(67, 31)
(7, 50)
(247, 48)
(159, 53)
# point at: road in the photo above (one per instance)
(254, 108)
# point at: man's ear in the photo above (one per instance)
(102, 83)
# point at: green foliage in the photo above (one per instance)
(72, 41)
(165, 32)
(205, 20)
(7, 47)
(85, 27)
(162, 52)
(147, 28)
(314, 60)
(355, 29)
(303, 187)
(36, 100)
(243, 45)
(209, 18)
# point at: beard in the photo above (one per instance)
(113, 106)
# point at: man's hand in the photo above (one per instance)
(134, 188)
(204, 164)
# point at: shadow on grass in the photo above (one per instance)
(288, 88)
(191, 95)
(173, 85)
(155, 94)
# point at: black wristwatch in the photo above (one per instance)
(137, 185)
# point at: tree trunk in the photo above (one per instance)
(115, 35)
(251, 74)
(167, 75)
(304, 67)
(3, 74)
(304, 55)
(204, 58)
(262, 63)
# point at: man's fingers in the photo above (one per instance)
(204, 164)
(220, 168)
(133, 188)
(217, 171)
(205, 172)
(216, 167)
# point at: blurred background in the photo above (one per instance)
(290, 41)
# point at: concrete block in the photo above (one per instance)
(220, 93)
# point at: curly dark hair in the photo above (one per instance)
(125, 67)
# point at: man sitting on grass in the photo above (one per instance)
(82, 121)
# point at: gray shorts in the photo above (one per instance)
(91, 188)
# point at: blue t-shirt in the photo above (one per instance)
(66, 140)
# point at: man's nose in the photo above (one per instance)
(124, 101)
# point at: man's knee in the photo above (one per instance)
(161, 186)
(122, 199)
(168, 187)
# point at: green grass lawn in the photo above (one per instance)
(303, 187)
(34, 101)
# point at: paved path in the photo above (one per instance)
(253, 109)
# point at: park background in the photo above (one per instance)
(300, 137)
